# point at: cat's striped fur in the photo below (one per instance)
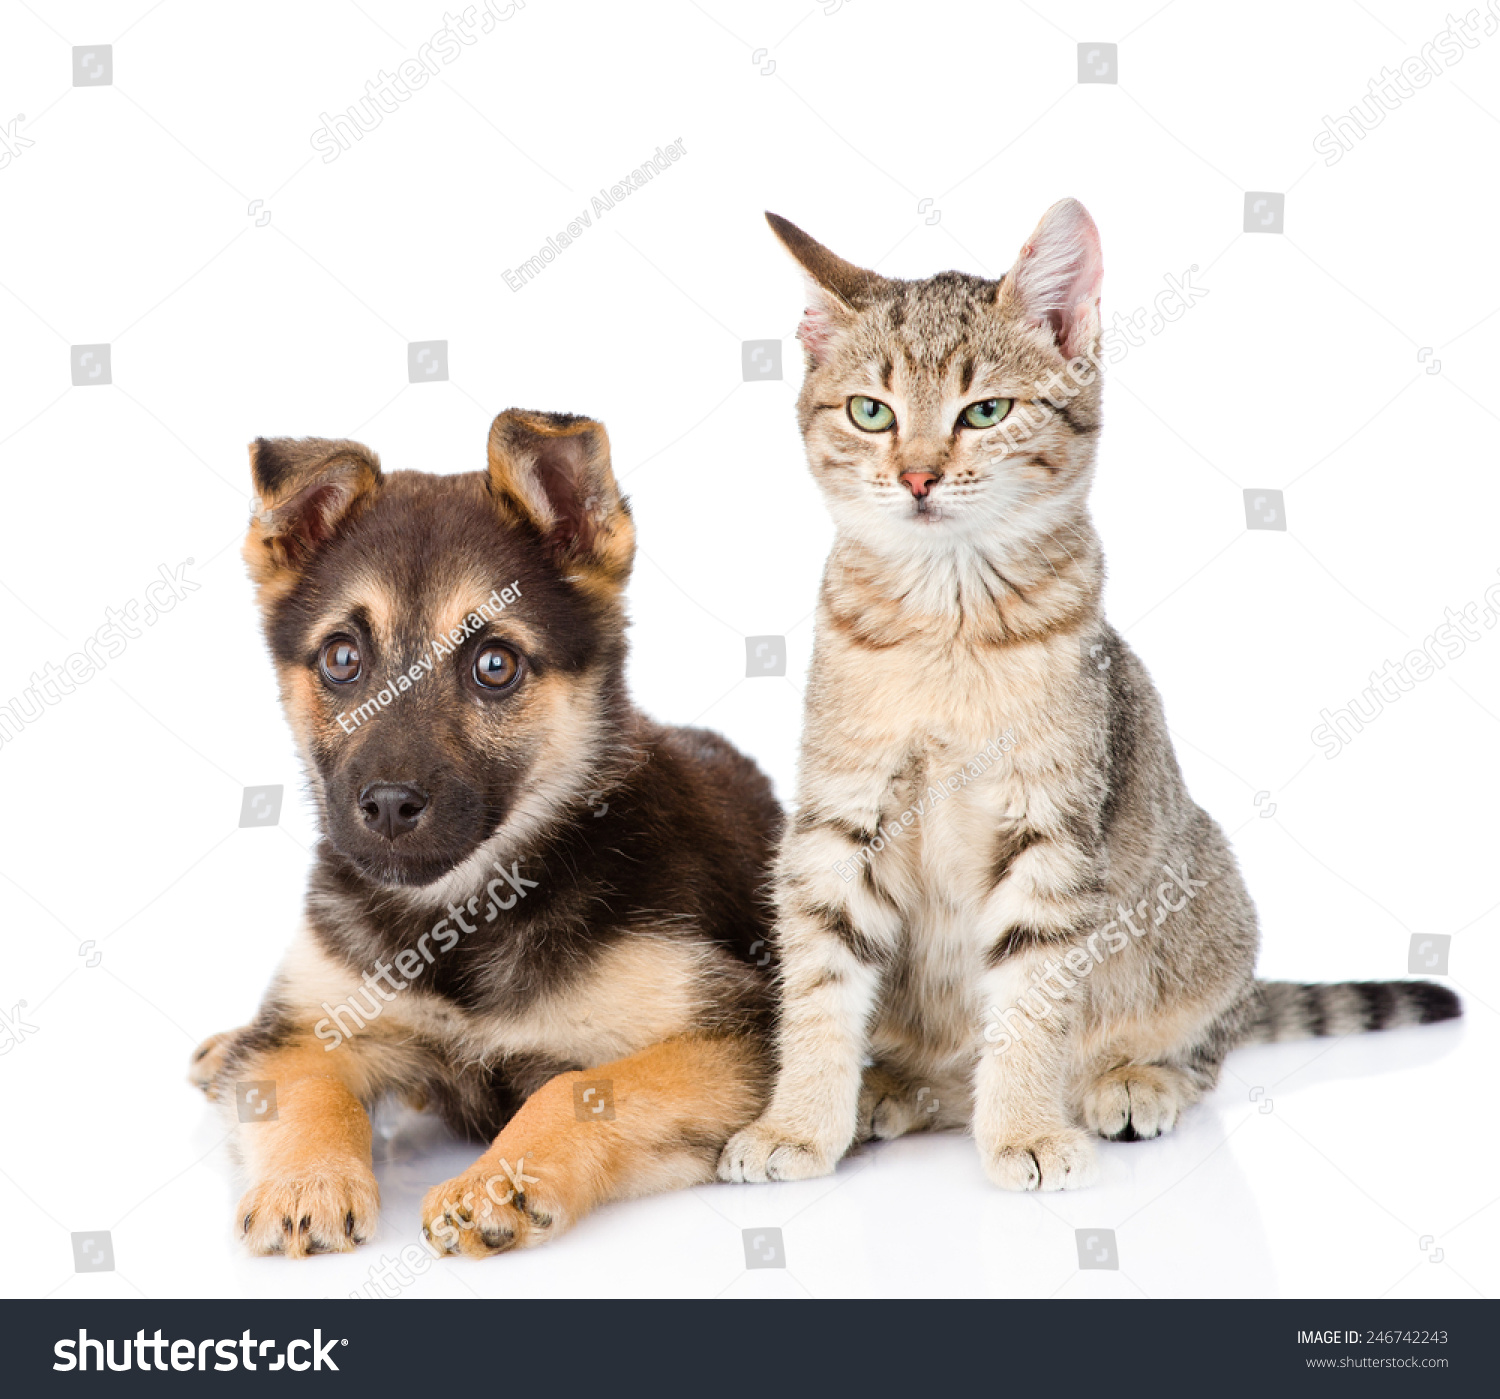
(1060, 942)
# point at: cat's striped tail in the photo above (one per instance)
(1295, 1010)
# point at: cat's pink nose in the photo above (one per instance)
(918, 482)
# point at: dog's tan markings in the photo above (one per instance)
(641, 990)
(547, 1169)
(372, 594)
(460, 601)
(383, 608)
(302, 697)
(463, 600)
(563, 711)
(312, 1189)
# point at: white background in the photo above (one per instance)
(129, 221)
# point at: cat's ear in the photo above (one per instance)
(835, 289)
(1055, 281)
(552, 472)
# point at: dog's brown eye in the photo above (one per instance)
(497, 667)
(341, 661)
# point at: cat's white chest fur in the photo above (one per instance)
(960, 796)
(950, 740)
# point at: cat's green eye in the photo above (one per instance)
(870, 414)
(986, 413)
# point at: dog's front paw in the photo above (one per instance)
(208, 1059)
(492, 1208)
(323, 1211)
(1063, 1161)
(763, 1151)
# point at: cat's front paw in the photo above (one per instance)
(764, 1151)
(1063, 1161)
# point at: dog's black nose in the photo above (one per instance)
(392, 808)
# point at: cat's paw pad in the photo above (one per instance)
(1063, 1161)
(327, 1211)
(1133, 1103)
(764, 1152)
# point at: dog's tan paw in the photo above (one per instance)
(493, 1207)
(208, 1059)
(1062, 1161)
(326, 1211)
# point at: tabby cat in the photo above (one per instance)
(998, 906)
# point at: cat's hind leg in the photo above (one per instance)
(1134, 1098)
(1135, 1102)
(893, 1102)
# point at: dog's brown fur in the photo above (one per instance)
(628, 933)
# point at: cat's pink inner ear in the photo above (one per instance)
(825, 314)
(1058, 275)
(814, 332)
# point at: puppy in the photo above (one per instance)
(532, 908)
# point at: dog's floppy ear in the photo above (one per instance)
(305, 488)
(551, 471)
